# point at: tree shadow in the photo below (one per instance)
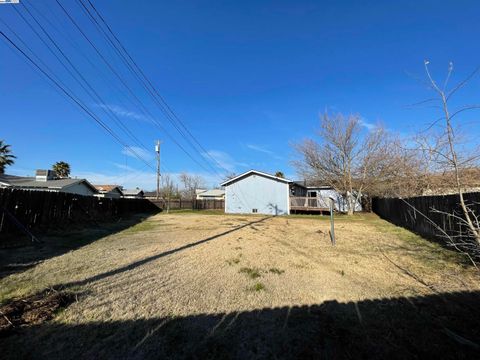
(155, 257)
(435, 326)
(25, 254)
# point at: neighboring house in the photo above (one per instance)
(213, 194)
(307, 197)
(46, 180)
(133, 193)
(150, 194)
(448, 191)
(258, 192)
(109, 191)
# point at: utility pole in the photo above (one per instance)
(157, 150)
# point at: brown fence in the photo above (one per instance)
(177, 204)
(43, 210)
(408, 214)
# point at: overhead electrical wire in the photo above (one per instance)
(111, 84)
(144, 110)
(143, 79)
(119, 49)
(90, 91)
(77, 48)
(69, 95)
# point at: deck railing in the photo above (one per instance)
(309, 203)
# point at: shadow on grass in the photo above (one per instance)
(442, 326)
(155, 257)
(54, 243)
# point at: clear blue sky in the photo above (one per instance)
(248, 78)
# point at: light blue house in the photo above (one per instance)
(257, 192)
(262, 193)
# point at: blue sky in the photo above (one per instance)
(248, 78)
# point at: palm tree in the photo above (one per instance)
(62, 169)
(279, 174)
(6, 158)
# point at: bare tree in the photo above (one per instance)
(229, 176)
(349, 157)
(446, 153)
(191, 183)
(168, 190)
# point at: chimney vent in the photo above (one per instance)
(44, 175)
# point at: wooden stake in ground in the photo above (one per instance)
(332, 225)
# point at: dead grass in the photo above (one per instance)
(146, 225)
(179, 265)
(257, 287)
(251, 273)
(276, 271)
(233, 261)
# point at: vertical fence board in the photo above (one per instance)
(43, 210)
(420, 214)
(177, 204)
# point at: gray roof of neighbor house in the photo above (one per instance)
(31, 182)
(254, 172)
(212, 192)
(108, 188)
(12, 179)
(132, 191)
(150, 193)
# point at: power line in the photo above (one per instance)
(143, 79)
(76, 47)
(66, 93)
(90, 89)
(78, 77)
(144, 109)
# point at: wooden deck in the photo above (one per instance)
(309, 204)
(306, 208)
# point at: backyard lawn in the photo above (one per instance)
(192, 285)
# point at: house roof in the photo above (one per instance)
(309, 186)
(212, 192)
(132, 191)
(31, 182)
(10, 180)
(150, 193)
(107, 188)
(254, 172)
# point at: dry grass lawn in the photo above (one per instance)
(222, 286)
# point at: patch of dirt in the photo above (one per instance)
(32, 310)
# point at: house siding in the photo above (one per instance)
(340, 203)
(113, 194)
(79, 189)
(268, 196)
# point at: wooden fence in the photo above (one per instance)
(177, 204)
(408, 214)
(43, 210)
